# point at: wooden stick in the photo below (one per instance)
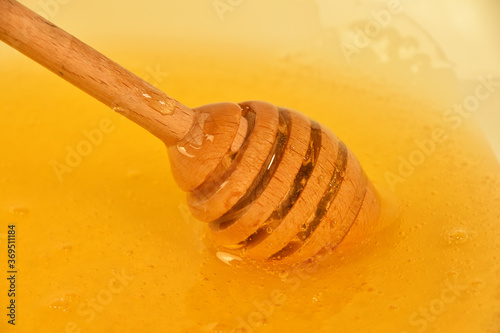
(271, 183)
(92, 72)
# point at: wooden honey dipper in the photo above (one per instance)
(271, 183)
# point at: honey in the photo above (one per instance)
(109, 245)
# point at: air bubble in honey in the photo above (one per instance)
(457, 237)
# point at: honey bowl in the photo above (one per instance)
(104, 240)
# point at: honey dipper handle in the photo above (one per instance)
(93, 73)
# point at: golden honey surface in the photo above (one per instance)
(105, 242)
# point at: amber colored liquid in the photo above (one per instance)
(105, 242)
